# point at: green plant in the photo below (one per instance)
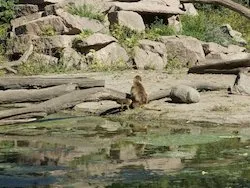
(127, 37)
(173, 65)
(48, 30)
(36, 66)
(86, 10)
(6, 11)
(157, 29)
(86, 33)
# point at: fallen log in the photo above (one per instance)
(221, 65)
(35, 95)
(65, 101)
(32, 82)
(206, 86)
(222, 71)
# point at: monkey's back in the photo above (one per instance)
(139, 94)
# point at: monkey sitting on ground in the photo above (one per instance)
(138, 94)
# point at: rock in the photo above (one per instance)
(71, 59)
(54, 43)
(17, 45)
(25, 9)
(144, 7)
(76, 23)
(211, 47)
(38, 26)
(110, 54)
(237, 36)
(190, 9)
(241, 85)
(25, 19)
(150, 55)
(109, 126)
(187, 50)
(228, 56)
(95, 41)
(96, 107)
(129, 19)
(184, 94)
(44, 59)
(174, 21)
(38, 2)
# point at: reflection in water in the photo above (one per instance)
(90, 153)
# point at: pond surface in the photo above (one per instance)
(96, 152)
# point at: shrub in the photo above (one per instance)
(6, 11)
(48, 30)
(173, 65)
(86, 10)
(157, 29)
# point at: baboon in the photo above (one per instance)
(138, 94)
(124, 103)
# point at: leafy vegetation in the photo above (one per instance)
(6, 11)
(48, 30)
(86, 33)
(86, 10)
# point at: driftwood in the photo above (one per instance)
(228, 66)
(30, 82)
(8, 66)
(223, 71)
(65, 101)
(244, 11)
(35, 95)
(206, 86)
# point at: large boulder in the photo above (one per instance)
(71, 59)
(38, 26)
(149, 6)
(190, 9)
(129, 19)
(44, 59)
(150, 55)
(24, 19)
(76, 23)
(184, 94)
(25, 9)
(54, 43)
(227, 56)
(237, 36)
(110, 54)
(95, 41)
(187, 50)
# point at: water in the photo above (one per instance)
(95, 152)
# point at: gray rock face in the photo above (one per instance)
(129, 19)
(110, 54)
(184, 94)
(44, 59)
(25, 19)
(144, 7)
(174, 21)
(56, 42)
(38, 2)
(187, 50)
(71, 59)
(38, 26)
(190, 9)
(25, 9)
(76, 23)
(237, 36)
(95, 41)
(150, 55)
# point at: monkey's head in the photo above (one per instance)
(137, 78)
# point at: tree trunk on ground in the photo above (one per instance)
(234, 65)
(244, 11)
(30, 82)
(35, 95)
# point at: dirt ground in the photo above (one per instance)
(214, 106)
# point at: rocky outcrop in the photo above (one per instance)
(95, 41)
(38, 26)
(150, 55)
(237, 36)
(131, 20)
(76, 23)
(187, 50)
(25, 10)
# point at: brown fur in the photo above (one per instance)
(138, 93)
